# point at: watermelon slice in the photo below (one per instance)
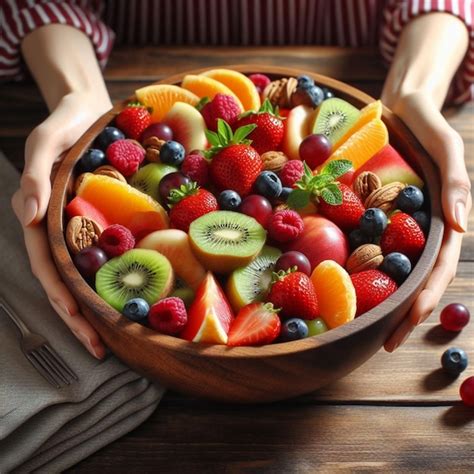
(80, 207)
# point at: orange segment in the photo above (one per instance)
(161, 97)
(369, 112)
(336, 293)
(363, 144)
(203, 86)
(121, 203)
(239, 84)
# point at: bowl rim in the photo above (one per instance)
(88, 297)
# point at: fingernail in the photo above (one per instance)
(403, 340)
(460, 213)
(86, 342)
(30, 210)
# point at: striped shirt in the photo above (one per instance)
(231, 22)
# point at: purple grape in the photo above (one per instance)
(258, 207)
(171, 181)
(159, 130)
(315, 149)
(89, 260)
(293, 259)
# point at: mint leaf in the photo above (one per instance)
(331, 194)
(298, 199)
(337, 168)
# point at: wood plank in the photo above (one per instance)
(290, 437)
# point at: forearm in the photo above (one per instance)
(429, 52)
(63, 62)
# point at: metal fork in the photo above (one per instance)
(41, 355)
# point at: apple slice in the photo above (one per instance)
(174, 245)
(297, 127)
(188, 126)
(210, 316)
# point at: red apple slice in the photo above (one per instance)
(296, 129)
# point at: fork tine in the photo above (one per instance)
(60, 361)
(49, 361)
(45, 374)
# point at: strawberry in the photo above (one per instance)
(269, 132)
(371, 287)
(235, 164)
(294, 293)
(188, 203)
(133, 120)
(347, 214)
(404, 235)
(255, 324)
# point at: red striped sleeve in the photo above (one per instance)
(399, 12)
(20, 17)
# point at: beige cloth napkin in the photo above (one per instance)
(44, 429)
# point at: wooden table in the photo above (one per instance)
(398, 412)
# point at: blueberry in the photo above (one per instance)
(293, 329)
(305, 81)
(454, 360)
(136, 310)
(268, 184)
(229, 200)
(285, 192)
(172, 153)
(92, 159)
(108, 136)
(423, 220)
(328, 94)
(358, 238)
(410, 199)
(316, 95)
(397, 266)
(373, 222)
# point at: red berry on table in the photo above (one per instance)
(291, 259)
(285, 226)
(315, 149)
(158, 130)
(188, 203)
(168, 315)
(255, 324)
(197, 168)
(221, 107)
(454, 317)
(269, 132)
(125, 155)
(294, 293)
(371, 287)
(467, 391)
(260, 81)
(291, 173)
(346, 215)
(404, 235)
(258, 207)
(116, 240)
(133, 120)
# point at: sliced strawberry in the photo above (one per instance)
(255, 325)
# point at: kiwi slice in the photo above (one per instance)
(226, 240)
(147, 179)
(181, 290)
(138, 273)
(335, 116)
(252, 282)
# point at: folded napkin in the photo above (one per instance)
(44, 429)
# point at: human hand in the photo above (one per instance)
(45, 147)
(446, 148)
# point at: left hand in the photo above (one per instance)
(446, 148)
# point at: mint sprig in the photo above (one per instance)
(320, 186)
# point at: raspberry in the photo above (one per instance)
(260, 81)
(291, 173)
(222, 106)
(284, 226)
(168, 316)
(125, 155)
(196, 167)
(116, 240)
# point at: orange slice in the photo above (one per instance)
(203, 86)
(363, 144)
(239, 84)
(161, 97)
(336, 293)
(369, 112)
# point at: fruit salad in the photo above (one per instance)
(245, 210)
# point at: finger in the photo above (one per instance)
(58, 294)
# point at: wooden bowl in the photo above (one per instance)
(248, 374)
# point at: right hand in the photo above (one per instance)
(45, 148)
